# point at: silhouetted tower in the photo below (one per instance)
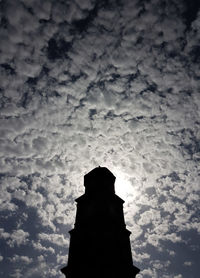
(100, 244)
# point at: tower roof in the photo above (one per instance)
(99, 179)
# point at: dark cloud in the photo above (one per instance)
(191, 11)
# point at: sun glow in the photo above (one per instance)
(123, 186)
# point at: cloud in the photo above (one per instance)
(16, 273)
(54, 238)
(86, 84)
(41, 267)
(38, 246)
(22, 259)
(147, 273)
(149, 217)
(187, 263)
(62, 259)
(17, 237)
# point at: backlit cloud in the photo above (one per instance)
(87, 83)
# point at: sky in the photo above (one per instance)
(113, 83)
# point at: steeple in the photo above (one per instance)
(99, 243)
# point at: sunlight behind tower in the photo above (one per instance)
(123, 186)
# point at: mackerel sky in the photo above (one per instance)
(114, 83)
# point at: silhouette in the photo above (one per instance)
(99, 243)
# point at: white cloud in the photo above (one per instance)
(149, 216)
(116, 88)
(188, 263)
(23, 259)
(3, 234)
(40, 247)
(54, 238)
(140, 257)
(62, 259)
(147, 273)
(17, 273)
(172, 253)
(18, 237)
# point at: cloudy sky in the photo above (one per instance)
(85, 83)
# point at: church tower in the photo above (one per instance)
(99, 243)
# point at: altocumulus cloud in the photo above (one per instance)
(88, 83)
